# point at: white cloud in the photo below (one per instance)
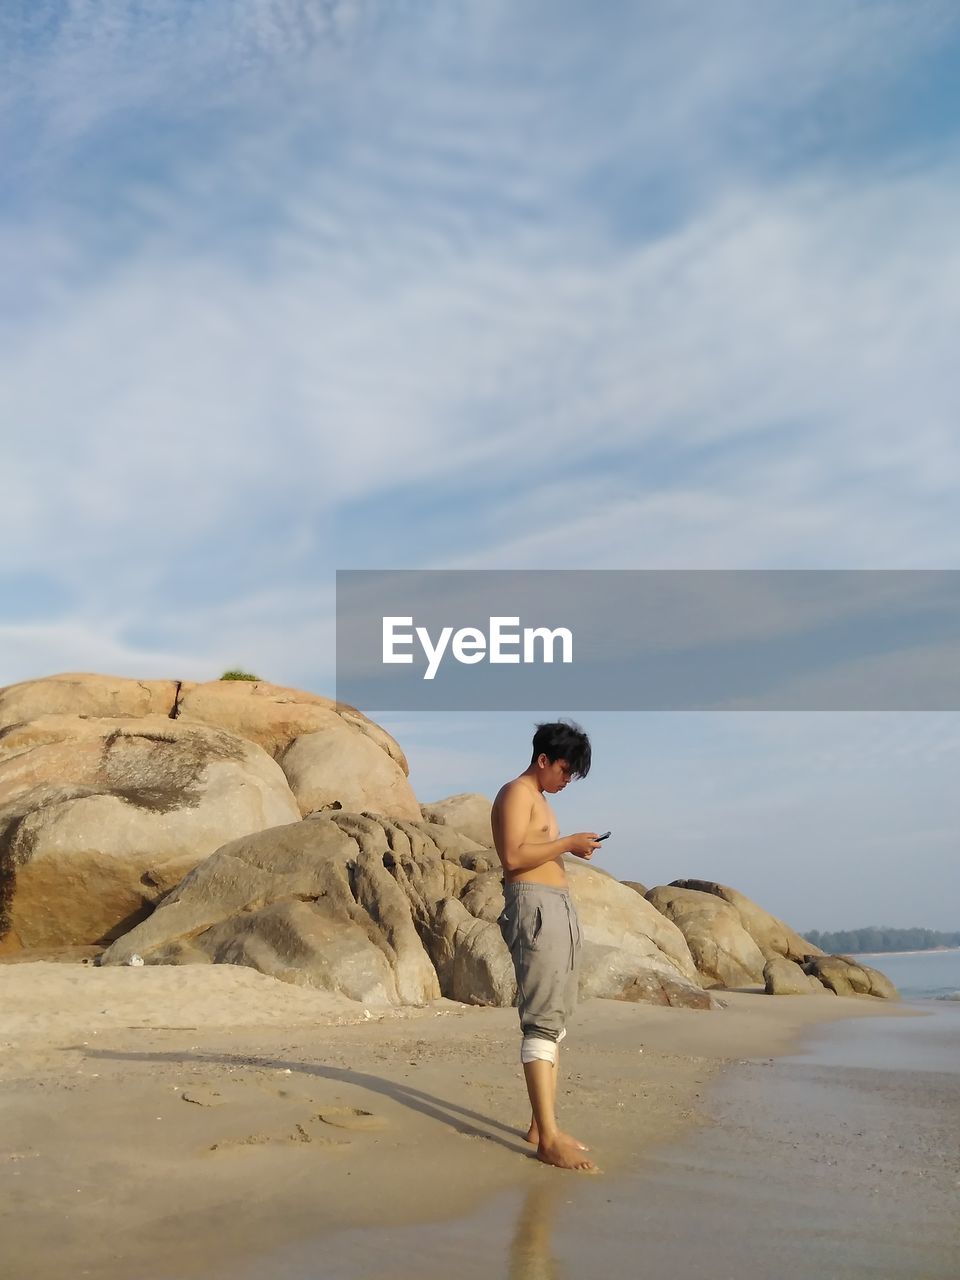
(180, 402)
(286, 636)
(428, 304)
(33, 650)
(180, 385)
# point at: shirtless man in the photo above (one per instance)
(539, 923)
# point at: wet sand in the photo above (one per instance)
(161, 1123)
(840, 1163)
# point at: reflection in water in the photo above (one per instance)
(531, 1257)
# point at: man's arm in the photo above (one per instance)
(517, 853)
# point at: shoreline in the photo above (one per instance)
(839, 1158)
(821, 1162)
(131, 1135)
(923, 951)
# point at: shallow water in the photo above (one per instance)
(840, 1162)
(933, 975)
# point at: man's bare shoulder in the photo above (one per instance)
(516, 787)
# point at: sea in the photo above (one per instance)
(919, 975)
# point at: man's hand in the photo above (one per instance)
(583, 844)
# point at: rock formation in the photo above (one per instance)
(112, 789)
(273, 716)
(724, 952)
(394, 912)
(736, 943)
(782, 977)
(636, 886)
(310, 903)
(80, 694)
(344, 768)
(468, 813)
(267, 714)
(100, 817)
(245, 823)
(772, 936)
(847, 977)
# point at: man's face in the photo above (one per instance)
(554, 774)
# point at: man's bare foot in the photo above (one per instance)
(533, 1137)
(563, 1154)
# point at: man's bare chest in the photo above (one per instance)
(543, 823)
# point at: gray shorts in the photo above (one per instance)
(540, 926)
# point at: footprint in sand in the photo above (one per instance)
(204, 1096)
(298, 1135)
(355, 1118)
(351, 1118)
(249, 1140)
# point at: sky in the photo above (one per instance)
(293, 287)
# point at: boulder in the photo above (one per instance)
(298, 942)
(772, 936)
(426, 872)
(273, 716)
(847, 977)
(483, 896)
(401, 895)
(724, 953)
(613, 974)
(468, 813)
(343, 768)
(100, 817)
(283, 901)
(301, 860)
(83, 694)
(457, 847)
(782, 977)
(636, 886)
(471, 958)
(268, 714)
(611, 915)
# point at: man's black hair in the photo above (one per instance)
(563, 740)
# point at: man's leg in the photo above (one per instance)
(533, 1132)
(553, 1146)
(539, 941)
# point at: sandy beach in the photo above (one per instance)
(171, 1122)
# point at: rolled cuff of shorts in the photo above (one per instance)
(536, 1048)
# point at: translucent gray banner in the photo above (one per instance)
(649, 640)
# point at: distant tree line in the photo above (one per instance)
(881, 938)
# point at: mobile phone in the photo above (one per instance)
(604, 836)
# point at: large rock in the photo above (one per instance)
(471, 958)
(724, 953)
(772, 936)
(611, 915)
(296, 942)
(343, 768)
(84, 694)
(273, 716)
(847, 977)
(395, 912)
(468, 813)
(613, 974)
(782, 977)
(636, 886)
(268, 714)
(100, 817)
(337, 901)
